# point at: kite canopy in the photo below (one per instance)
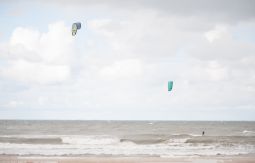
(170, 85)
(75, 27)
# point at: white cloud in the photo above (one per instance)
(144, 34)
(216, 71)
(42, 100)
(221, 45)
(124, 69)
(216, 33)
(207, 71)
(56, 45)
(28, 38)
(36, 57)
(29, 72)
(13, 104)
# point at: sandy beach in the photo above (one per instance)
(92, 159)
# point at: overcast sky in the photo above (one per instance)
(118, 65)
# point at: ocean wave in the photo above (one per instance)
(248, 133)
(143, 141)
(149, 139)
(177, 141)
(186, 135)
(59, 139)
(157, 138)
(123, 150)
(223, 140)
(30, 140)
(157, 145)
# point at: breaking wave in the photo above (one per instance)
(151, 145)
(248, 133)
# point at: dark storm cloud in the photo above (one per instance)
(214, 10)
(229, 9)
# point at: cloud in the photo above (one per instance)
(144, 35)
(217, 11)
(221, 44)
(216, 33)
(124, 69)
(36, 57)
(29, 72)
(13, 104)
(214, 10)
(120, 64)
(42, 100)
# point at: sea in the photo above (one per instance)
(126, 138)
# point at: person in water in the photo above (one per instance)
(203, 133)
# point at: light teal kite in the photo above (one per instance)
(170, 86)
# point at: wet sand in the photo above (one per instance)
(32, 159)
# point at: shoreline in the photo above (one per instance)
(126, 159)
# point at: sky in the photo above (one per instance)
(118, 65)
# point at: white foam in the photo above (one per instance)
(90, 140)
(175, 140)
(111, 145)
(193, 135)
(248, 133)
(127, 149)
